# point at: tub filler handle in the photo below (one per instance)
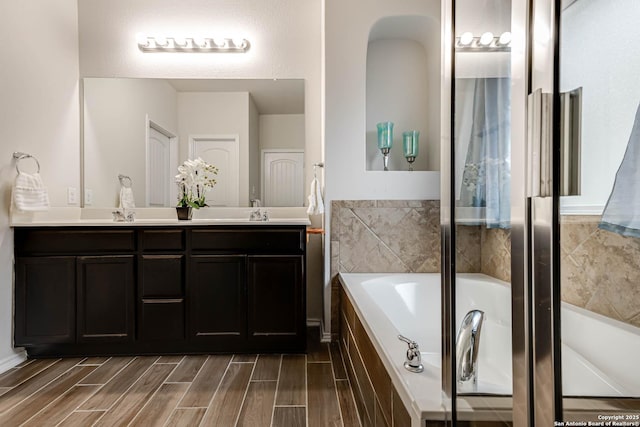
(414, 361)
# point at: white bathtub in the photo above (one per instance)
(599, 355)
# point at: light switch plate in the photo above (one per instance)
(72, 196)
(88, 197)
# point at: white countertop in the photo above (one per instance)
(98, 217)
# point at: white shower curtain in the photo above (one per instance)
(486, 179)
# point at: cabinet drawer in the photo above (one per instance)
(280, 240)
(162, 320)
(161, 276)
(159, 240)
(73, 241)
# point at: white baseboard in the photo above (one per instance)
(325, 335)
(12, 360)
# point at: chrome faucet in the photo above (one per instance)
(124, 215)
(467, 343)
(414, 361)
(259, 215)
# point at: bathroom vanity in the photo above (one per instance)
(160, 287)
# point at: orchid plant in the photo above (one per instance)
(194, 179)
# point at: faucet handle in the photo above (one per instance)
(411, 343)
(414, 361)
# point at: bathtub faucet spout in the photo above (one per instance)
(467, 344)
(414, 361)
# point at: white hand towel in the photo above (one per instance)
(29, 193)
(316, 205)
(126, 198)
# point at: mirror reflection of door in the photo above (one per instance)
(223, 153)
(283, 177)
(162, 155)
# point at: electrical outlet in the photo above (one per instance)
(88, 197)
(72, 196)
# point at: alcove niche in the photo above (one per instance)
(403, 87)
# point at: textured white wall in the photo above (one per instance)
(599, 51)
(39, 114)
(347, 26)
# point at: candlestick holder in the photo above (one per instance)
(385, 141)
(410, 146)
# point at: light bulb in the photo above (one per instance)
(486, 38)
(505, 38)
(200, 42)
(238, 42)
(142, 40)
(161, 41)
(180, 41)
(220, 42)
(466, 39)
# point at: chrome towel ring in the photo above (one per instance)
(21, 156)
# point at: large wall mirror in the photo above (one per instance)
(252, 130)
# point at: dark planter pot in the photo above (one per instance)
(184, 213)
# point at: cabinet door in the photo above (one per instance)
(276, 301)
(217, 298)
(105, 298)
(45, 297)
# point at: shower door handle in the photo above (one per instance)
(539, 144)
(570, 142)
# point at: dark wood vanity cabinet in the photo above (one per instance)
(151, 290)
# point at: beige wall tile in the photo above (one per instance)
(600, 270)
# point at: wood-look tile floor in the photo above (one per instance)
(285, 390)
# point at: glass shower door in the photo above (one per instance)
(599, 214)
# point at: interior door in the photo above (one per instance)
(223, 153)
(283, 178)
(159, 168)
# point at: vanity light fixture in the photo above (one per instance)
(192, 44)
(487, 42)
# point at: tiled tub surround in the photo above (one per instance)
(600, 270)
(403, 236)
(484, 250)
(374, 236)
